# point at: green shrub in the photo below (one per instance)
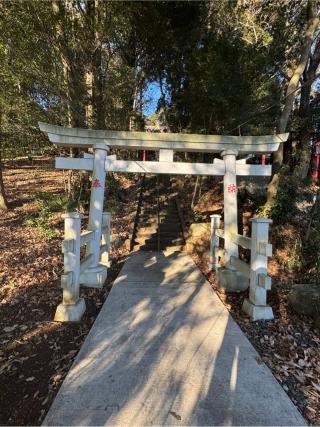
(198, 216)
(47, 204)
(295, 256)
(284, 207)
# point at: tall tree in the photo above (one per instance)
(311, 26)
(303, 154)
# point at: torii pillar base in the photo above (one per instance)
(94, 277)
(70, 313)
(257, 312)
(231, 280)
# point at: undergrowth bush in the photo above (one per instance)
(198, 216)
(296, 206)
(284, 208)
(47, 204)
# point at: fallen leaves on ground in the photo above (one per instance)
(289, 345)
(35, 352)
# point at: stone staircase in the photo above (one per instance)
(159, 226)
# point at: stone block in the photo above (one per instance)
(199, 229)
(305, 299)
(198, 239)
(70, 313)
(231, 280)
(94, 277)
(257, 312)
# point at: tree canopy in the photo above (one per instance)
(221, 67)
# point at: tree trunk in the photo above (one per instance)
(196, 185)
(95, 12)
(97, 88)
(72, 61)
(304, 148)
(312, 24)
(3, 198)
(133, 115)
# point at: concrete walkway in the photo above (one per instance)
(165, 351)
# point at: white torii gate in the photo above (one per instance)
(166, 143)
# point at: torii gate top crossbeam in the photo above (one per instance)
(76, 137)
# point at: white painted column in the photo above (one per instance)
(214, 242)
(259, 260)
(256, 307)
(230, 204)
(96, 200)
(105, 239)
(72, 307)
(165, 155)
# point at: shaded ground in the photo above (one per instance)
(35, 352)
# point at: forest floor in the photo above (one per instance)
(289, 345)
(36, 352)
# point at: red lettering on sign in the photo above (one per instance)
(96, 183)
(232, 188)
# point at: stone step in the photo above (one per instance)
(144, 233)
(172, 241)
(166, 220)
(174, 233)
(148, 219)
(154, 248)
(152, 198)
(154, 211)
(177, 248)
(166, 241)
(164, 226)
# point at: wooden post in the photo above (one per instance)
(256, 306)
(72, 307)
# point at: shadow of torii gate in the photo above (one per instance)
(101, 141)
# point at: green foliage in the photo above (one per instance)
(295, 260)
(47, 204)
(223, 62)
(43, 228)
(88, 64)
(311, 242)
(198, 216)
(216, 62)
(284, 207)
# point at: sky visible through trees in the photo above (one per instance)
(152, 96)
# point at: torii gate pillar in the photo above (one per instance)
(96, 275)
(228, 277)
(230, 203)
